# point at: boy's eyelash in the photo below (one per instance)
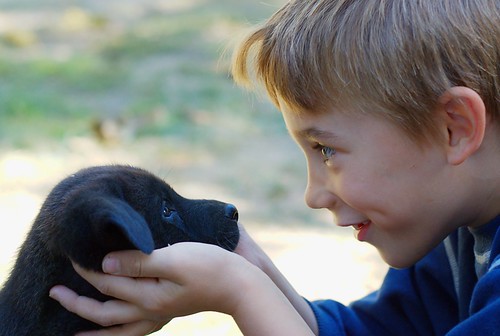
(317, 146)
(322, 149)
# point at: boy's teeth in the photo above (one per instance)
(360, 225)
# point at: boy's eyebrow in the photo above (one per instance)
(315, 133)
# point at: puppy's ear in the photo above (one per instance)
(95, 225)
(117, 225)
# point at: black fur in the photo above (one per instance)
(87, 215)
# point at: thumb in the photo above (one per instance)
(126, 263)
(134, 263)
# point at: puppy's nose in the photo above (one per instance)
(231, 212)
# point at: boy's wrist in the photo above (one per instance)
(261, 304)
(248, 281)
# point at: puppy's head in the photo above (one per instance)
(109, 208)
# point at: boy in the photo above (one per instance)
(396, 106)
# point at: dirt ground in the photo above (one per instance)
(321, 261)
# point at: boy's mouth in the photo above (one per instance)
(361, 225)
(361, 230)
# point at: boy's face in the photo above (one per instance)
(373, 178)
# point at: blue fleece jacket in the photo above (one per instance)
(453, 291)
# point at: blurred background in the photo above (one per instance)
(147, 83)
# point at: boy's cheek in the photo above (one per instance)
(359, 195)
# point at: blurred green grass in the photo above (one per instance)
(161, 69)
(150, 79)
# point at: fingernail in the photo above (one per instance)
(111, 265)
(53, 293)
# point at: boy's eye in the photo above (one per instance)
(327, 152)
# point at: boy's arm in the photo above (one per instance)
(180, 280)
(298, 302)
(254, 253)
(272, 310)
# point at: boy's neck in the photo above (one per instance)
(483, 176)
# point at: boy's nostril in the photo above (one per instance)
(231, 212)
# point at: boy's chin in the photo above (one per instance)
(399, 260)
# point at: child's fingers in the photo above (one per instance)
(103, 313)
(134, 291)
(133, 264)
(178, 280)
(162, 263)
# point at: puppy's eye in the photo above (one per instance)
(166, 212)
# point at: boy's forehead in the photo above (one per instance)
(309, 125)
(335, 125)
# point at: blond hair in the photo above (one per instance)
(392, 57)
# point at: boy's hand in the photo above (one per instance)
(184, 279)
(103, 313)
(179, 280)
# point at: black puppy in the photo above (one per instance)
(87, 215)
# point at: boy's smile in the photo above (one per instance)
(361, 230)
(372, 177)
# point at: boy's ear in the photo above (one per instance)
(464, 114)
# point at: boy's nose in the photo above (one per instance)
(314, 198)
(319, 193)
(317, 196)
